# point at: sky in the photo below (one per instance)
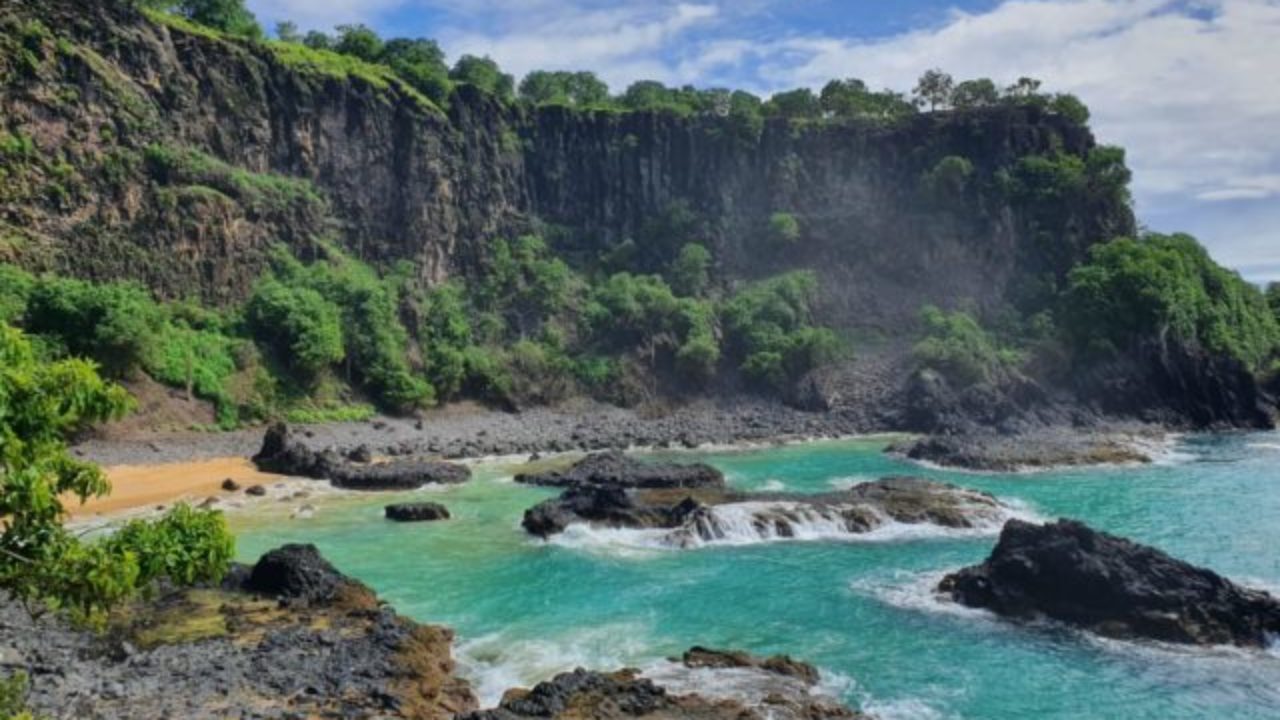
(1191, 88)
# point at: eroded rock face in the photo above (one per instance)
(616, 469)
(284, 453)
(417, 512)
(295, 573)
(1112, 586)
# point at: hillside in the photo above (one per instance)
(478, 246)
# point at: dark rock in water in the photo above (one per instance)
(285, 454)
(255, 490)
(230, 485)
(1112, 586)
(710, 514)
(1047, 447)
(587, 695)
(700, 657)
(402, 474)
(616, 469)
(604, 505)
(361, 454)
(296, 573)
(417, 512)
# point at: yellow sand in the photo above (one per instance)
(140, 486)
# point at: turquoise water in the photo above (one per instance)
(860, 610)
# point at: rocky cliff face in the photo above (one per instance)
(294, 153)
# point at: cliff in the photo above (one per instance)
(153, 150)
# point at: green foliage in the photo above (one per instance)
(13, 698)
(784, 228)
(1273, 297)
(484, 73)
(116, 324)
(1167, 288)
(186, 166)
(358, 41)
(228, 16)
(524, 284)
(852, 99)
(41, 564)
(1070, 107)
(769, 328)
(315, 57)
(948, 178)
(690, 272)
(299, 324)
(798, 104)
(576, 89)
(934, 89)
(957, 346)
(185, 547)
(16, 286)
(975, 94)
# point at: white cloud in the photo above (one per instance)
(621, 44)
(324, 15)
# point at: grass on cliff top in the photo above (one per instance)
(176, 22)
(336, 65)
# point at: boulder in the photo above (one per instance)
(361, 454)
(230, 485)
(417, 512)
(255, 490)
(1112, 586)
(604, 505)
(399, 474)
(617, 469)
(295, 573)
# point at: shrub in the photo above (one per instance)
(948, 178)
(957, 346)
(16, 286)
(1167, 288)
(690, 272)
(116, 324)
(770, 329)
(298, 323)
(784, 228)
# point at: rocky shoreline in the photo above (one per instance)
(292, 637)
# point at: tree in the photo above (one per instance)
(43, 565)
(1070, 107)
(690, 271)
(934, 88)
(299, 323)
(485, 74)
(317, 40)
(646, 95)
(287, 31)
(579, 89)
(1273, 297)
(358, 41)
(957, 346)
(796, 104)
(229, 16)
(421, 63)
(975, 94)
(1024, 88)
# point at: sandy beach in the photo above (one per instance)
(139, 486)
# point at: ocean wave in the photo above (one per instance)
(773, 485)
(848, 481)
(757, 522)
(497, 662)
(903, 709)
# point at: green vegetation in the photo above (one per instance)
(1273, 298)
(43, 565)
(957, 346)
(769, 329)
(690, 272)
(299, 325)
(1167, 288)
(13, 698)
(188, 167)
(229, 16)
(784, 228)
(948, 178)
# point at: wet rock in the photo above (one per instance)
(296, 573)
(603, 505)
(700, 657)
(230, 485)
(417, 512)
(255, 490)
(1112, 586)
(616, 469)
(399, 474)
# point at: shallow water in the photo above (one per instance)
(861, 610)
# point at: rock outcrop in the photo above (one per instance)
(286, 454)
(618, 470)
(695, 516)
(778, 690)
(1112, 586)
(295, 573)
(417, 512)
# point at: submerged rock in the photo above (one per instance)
(700, 657)
(285, 454)
(616, 469)
(1112, 586)
(698, 516)
(417, 512)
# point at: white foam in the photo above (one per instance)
(902, 709)
(754, 522)
(918, 592)
(848, 481)
(495, 663)
(773, 485)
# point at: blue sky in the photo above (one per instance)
(1190, 87)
